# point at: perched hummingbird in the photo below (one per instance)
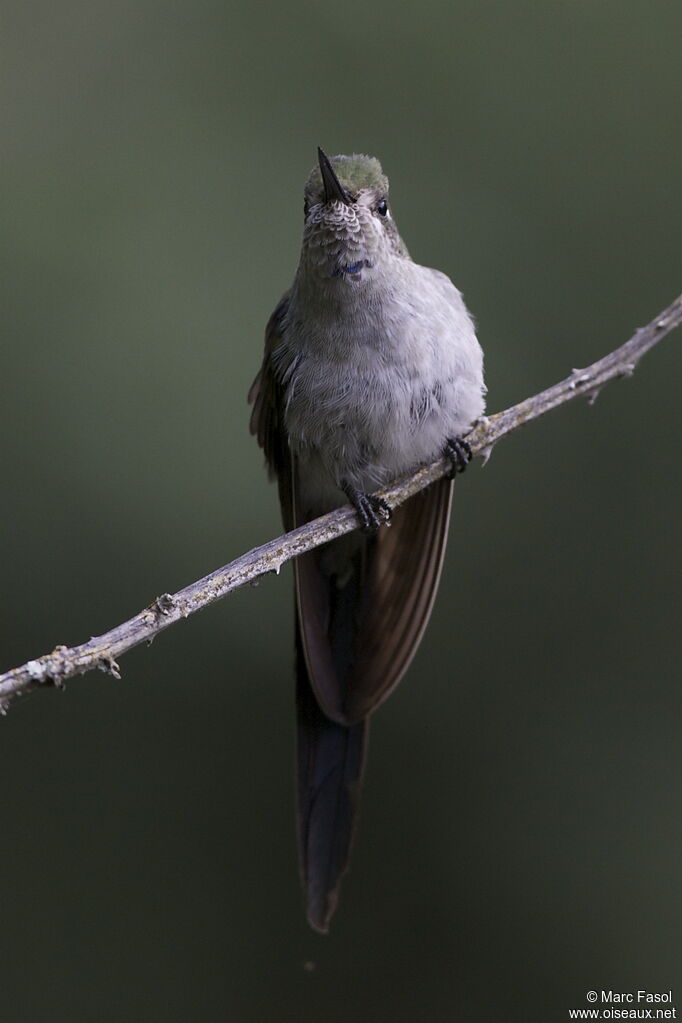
(371, 367)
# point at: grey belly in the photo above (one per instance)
(368, 436)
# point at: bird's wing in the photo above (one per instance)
(360, 636)
(265, 394)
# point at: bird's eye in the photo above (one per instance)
(382, 207)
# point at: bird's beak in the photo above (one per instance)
(333, 189)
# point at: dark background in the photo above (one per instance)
(520, 838)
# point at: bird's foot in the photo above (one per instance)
(459, 453)
(372, 511)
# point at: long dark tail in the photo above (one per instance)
(362, 605)
(330, 765)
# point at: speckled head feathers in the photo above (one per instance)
(355, 172)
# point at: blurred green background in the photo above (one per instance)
(520, 840)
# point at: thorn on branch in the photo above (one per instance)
(486, 452)
(108, 665)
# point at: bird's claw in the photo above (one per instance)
(459, 453)
(372, 511)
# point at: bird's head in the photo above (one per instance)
(349, 233)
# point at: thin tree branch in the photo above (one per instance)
(102, 651)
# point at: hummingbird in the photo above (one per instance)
(371, 367)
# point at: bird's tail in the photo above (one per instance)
(362, 605)
(331, 759)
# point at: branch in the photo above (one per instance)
(102, 651)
